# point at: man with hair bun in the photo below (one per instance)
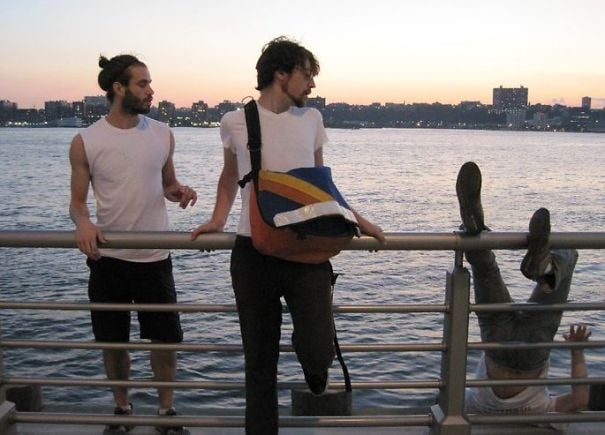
(127, 158)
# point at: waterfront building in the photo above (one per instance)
(166, 111)
(78, 109)
(586, 103)
(7, 111)
(199, 113)
(95, 107)
(505, 99)
(317, 102)
(57, 110)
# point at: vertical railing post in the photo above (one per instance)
(2, 388)
(7, 409)
(447, 413)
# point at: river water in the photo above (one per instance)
(401, 179)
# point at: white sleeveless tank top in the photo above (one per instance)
(126, 175)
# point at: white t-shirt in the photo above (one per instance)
(289, 140)
(126, 175)
(535, 399)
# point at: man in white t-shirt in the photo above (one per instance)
(292, 136)
(552, 271)
(127, 158)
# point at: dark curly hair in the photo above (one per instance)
(282, 54)
(116, 69)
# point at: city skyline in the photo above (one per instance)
(156, 103)
(395, 51)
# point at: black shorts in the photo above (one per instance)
(118, 281)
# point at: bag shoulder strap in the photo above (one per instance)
(341, 360)
(254, 142)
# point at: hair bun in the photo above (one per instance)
(103, 61)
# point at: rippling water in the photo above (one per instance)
(401, 179)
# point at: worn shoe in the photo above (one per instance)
(171, 430)
(318, 384)
(538, 257)
(468, 190)
(119, 429)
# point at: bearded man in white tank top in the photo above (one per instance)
(127, 158)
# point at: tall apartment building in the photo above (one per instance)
(586, 103)
(506, 99)
(166, 111)
(199, 113)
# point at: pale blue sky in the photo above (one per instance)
(370, 51)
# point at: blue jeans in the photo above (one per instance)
(519, 326)
(258, 283)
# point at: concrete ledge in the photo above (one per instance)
(7, 412)
(27, 398)
(597, 397)
(305, 403)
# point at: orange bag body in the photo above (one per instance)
(287, 244)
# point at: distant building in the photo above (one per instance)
(586, 103)
(469, 105)
(7, 111)
(78, 109)
(96, 100)
(7, 106)
(199, 113)
(57, 110)
(166, 111)
(505, 99)
(317, 102)
(515, 118)
(95, 107)
(226, 106)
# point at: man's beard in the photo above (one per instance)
(298, 101)
(133, 105)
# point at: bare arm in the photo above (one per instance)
(173, 190)
(225, 196)
(87, 234)
(365, 226)
(577, 400)
(368, 228)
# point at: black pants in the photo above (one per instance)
(258, 282)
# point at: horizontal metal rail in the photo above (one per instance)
(211, 308)
(224, 421)
(551, 417)
(235, 385)
(227, 348)
(210, 385)
(342, 309)
(394, 241)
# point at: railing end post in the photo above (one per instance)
(448, 424)
(7, 415)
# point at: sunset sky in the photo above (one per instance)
(370, 51)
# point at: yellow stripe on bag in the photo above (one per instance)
(288, 192)
(295, 183)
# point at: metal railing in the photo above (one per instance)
(446, 417)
